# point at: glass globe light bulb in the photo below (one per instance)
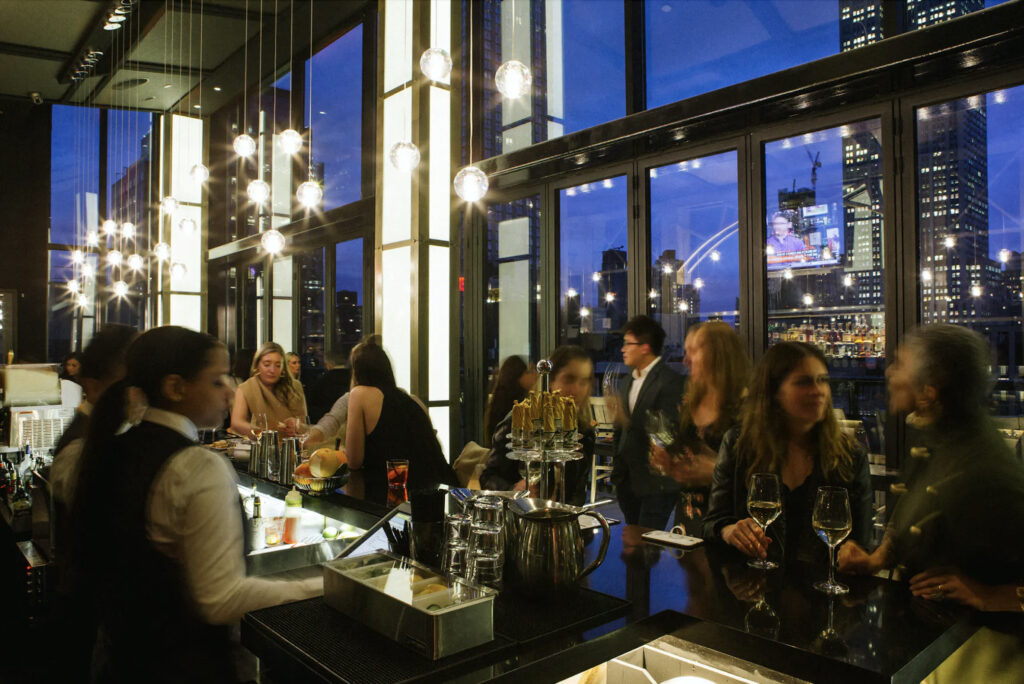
(309, 194)
(715, 255)
(404, 156)
(610, 297)
(162, 251)
(436, 64)
(949, 242)
(74, 287)
(92, 238)
(808, 300)
(272, 241)
(471, 184)
(77, 257)
(258, 191)
(584, 312)
(513, 79)
(128, 230)
(83, 301)
(1004, 255)
(290, 141)
(926, 275)
(698, 283)
(595, 276)
(244, 145)
(136, 262)
(200, 174)
(975, 290)
(847, 281)
(109, 227)
(88, 270)
(114, 257)
(683, 306)
(187, 226)
(169, 205)
(178, 270)
(121, 288)
(788, 274)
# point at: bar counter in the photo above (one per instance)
(879, 633)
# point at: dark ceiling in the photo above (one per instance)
(170, 55)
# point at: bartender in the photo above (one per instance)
(159, 542)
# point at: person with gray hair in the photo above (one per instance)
(956, 526)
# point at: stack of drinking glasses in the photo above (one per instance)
(475, 541)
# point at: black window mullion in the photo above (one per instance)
(636, 56)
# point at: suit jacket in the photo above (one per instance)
(662, 390)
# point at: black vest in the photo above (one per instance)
(150, 629)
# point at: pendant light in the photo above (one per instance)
(290, 141)
(178, 270)
(136, 262)
(128, 230)
(169, 205)
(436, 64)
(258, 191)
(243, 144)
(162, 251)
(513, 79)
(309, 194)
(273, 241)
(120, 289)
(471, 184)
(200, 174)
(187, 226)
(404, 156)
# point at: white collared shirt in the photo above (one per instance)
(638, 381)
(193, 518)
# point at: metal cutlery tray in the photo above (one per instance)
(410, 603)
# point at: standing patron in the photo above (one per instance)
(646, 499)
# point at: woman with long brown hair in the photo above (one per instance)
(514, 381)
(270, 390)
(719, 372)
(789, 429)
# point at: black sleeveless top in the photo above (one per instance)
(150, 629)
(404, 431)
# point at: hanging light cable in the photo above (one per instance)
(310, 193)
(200, 173)
(243, 144)
(470, 182)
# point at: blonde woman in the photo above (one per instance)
(270, 390)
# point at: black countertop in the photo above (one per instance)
(880, 633)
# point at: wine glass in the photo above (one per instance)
(259, 424)
(833, 523)
(764, 503)
(659, 428)
(302, 429)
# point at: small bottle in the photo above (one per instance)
(257, 538)
(292, 516)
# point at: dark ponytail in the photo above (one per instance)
(155, 354)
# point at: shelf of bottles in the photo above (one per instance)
(853, 336)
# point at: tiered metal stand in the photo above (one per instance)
(544, 454)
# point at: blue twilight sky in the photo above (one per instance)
(348, 267)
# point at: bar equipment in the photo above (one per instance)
(546, 548)
(288, 459)
(546, 448)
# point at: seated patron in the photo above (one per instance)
(956, 527)
(788, 428)
(271, 390)
(572, 373)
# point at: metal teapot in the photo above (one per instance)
(546, 548)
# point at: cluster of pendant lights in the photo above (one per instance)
(513, 80)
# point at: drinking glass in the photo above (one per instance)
(659, 428)
(274, 530)
(456, 559)
(833, 523)
(485, 568)
(398, 472)
(488, 509)
(764, 503)
(302, 429)
(259, 424)
(457, 527)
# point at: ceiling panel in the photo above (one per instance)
(53, 24)
(169, 40)
(22, 75)
(150, 95)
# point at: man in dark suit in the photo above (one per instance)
(646, 499)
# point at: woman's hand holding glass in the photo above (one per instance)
(764, 503)
(748, 537)
(688, 468)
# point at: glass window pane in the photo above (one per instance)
(823, 257)
(553, 39)
(594, 269)
(970, 179)
(695, 272)
(74, 173)
(311, 309)
(66, 303)
(334, 83)
(512, 272)
(696, 46)
(348, 295)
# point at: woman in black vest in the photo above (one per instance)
(159, 544)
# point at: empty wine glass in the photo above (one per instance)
(302, 429)
(833, 523)
(764, 504)
(258, 424)
(659, 428)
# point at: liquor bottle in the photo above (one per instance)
(5, 479)
(257, 532)
(20, 500)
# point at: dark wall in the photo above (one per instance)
(25, 217)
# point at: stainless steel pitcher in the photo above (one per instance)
(267, 455)
(547, 551)
(288, 458)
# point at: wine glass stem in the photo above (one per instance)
(831, 565)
